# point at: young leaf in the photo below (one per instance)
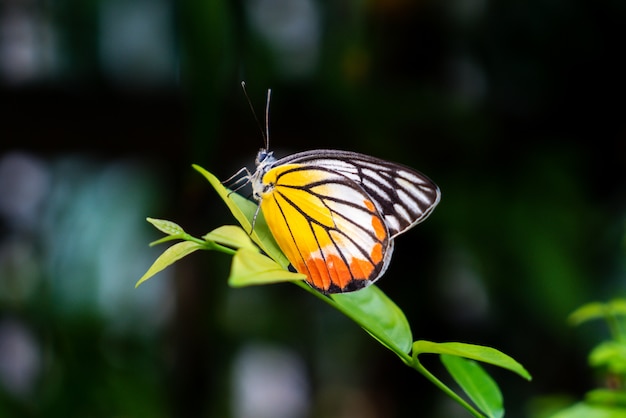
(224, 193)
(610, 397)
(611, 354)
(170, 256)
(585, 410)
(598, 310)
(471, 351)
(231, 236)
(617, 307)
(249, 267)
(167, 227)
(476, 384)
(587, 312)
(379, 316)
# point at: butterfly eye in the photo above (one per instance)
(268, 187)
(264, 156)
(265, 188)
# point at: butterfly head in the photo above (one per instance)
(264, 161)
(264, 157)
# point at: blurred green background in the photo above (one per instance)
(515, 109)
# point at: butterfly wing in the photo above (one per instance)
(327, 225)
(403, 196)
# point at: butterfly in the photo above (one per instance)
(335, 214)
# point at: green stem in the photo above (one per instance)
(614, 326)
(223, 249)
(428, 375)
(209, 245)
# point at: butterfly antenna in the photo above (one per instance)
(267, 120)
(263, 133)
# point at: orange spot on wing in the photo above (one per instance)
(377, 223)
(339, 271)
(317, 273)
(362, 269)
(379, 228)
(321, 274)
(377, 253)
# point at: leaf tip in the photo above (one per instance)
(141, 280)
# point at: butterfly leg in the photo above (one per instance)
(241, 181)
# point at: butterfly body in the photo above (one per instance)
(335, 213)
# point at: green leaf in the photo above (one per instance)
(262, 235)
(475, 352)
(249, 267)
(476, 384)
(225, 193)
(231, 236)
(611, 354)
(607, 397)
(167, 227)
(585, 410)
(598, 310)
(170, 256)
(379, 316)
(244, 211)
(588, 312)
(617, 307)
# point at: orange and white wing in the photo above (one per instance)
(327, 225)
(404, 196)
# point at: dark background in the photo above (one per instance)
(515, 109)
